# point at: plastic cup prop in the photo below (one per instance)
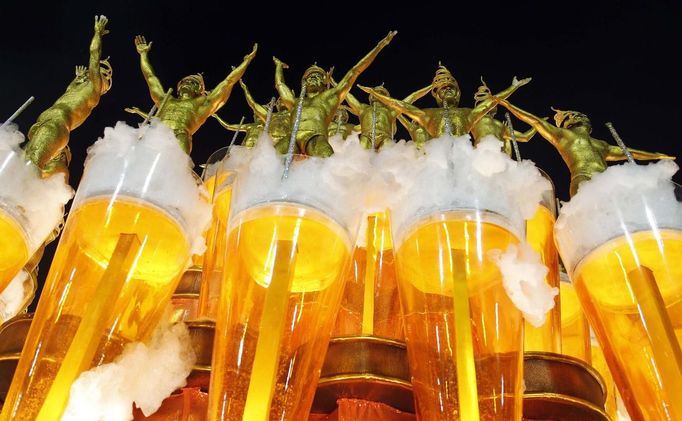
(370, 305)
(575, 331)
(219, 181)
(464, 334)
(620, 237)
(540, 235)
(30, 207)
(128, 239)
(288, 249)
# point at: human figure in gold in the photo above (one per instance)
(385, 116)
(340, 123)
(193, 105)
(280, 122)
(418, 134)
(321, 101)
(48, 137)
(571, 136)
(444, 89)
(488, 125)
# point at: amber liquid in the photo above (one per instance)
(13, 249)
(631, 292)
(282, 288)
(431, 260)
(599, 364)
(56, 349)
(575, 331)
(373, 262)
(214, 258)
(540, 235)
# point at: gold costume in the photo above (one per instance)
(444, 88)
(583, 154)
(193, 105)
(340, 123)
(49, 136)
(321, 102)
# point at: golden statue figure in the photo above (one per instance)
(583, 154)
(193, 105)
(385, 117)
(49, 136)
(321, 102)
(444, 88)
(280, 121)
(418, 134)
(340, 123)
(488, 125)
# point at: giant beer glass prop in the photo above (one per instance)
(370, 305)
(625, 264)
(125, 244)
(219, 180)
(30, 208)
(540, 235)
(287, 254)
(464, 335)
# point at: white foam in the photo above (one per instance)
(624, 198)
(37, 203)
(153, 168)
(523, 277)
(144, 374)
(453, 174)
(14, 296)
(334, 185)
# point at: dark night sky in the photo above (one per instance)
(616, 62)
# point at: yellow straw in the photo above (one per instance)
(664, 345)
(82, 350)
(467, 392)
(370, 273)
(272, 324)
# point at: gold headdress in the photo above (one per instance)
(199, 78)
(565, 119)
(442, 79)
(382, 90)
(482, 93)
(314, 69)
(106, 72)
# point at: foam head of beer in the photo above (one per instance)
(624, 198)
(152, 167)
(39, 202)
(14, 296)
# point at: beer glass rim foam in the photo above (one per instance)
(622, 200)
(147, 164)
(35, 204)
(453, 175)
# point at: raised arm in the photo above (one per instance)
(156, 90)
(355, 106)
(260, 111)
(546, 130)
(417, 94)
(485, 101)
(232, 127)
(135, 110)
(219, 95)
(615, 153)
(345, 85)
(286, 95)
(401, 107)
(96, 51)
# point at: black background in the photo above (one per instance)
(616, 61)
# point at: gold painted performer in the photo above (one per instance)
(280, 122)
(583, 154)
(320, 103)
(340, 123)
(193, 105)
(253, 130)
(47, 146)
(417, 133)
(444, 89)
(384, 126)
(488, 125)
